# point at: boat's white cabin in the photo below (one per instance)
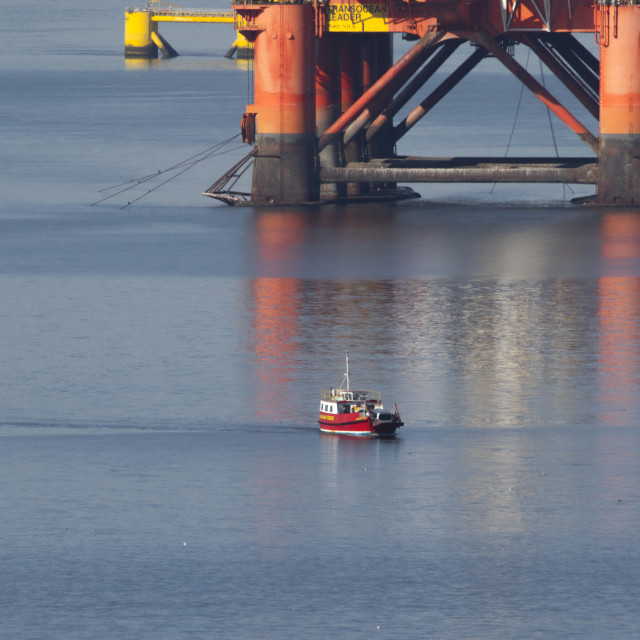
(337, 401)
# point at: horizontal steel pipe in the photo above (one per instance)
(581, 175)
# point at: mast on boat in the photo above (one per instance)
(347, 379)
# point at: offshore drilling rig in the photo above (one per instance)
(326, 91)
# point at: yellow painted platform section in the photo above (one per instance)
(175, 15)
(137, 29)
(357, 17)
(162, 11)
(209, 19)
(241, 42)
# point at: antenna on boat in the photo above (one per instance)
(346, 375)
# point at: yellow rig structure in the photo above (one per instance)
(142, 39)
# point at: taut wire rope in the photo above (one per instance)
(181, 167)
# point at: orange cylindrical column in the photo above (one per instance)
(374, 68)
(328, 101)
(352, 79)
(619, 144)
(284, 103)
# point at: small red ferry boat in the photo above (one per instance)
(348, 412)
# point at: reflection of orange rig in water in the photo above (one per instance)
(326, 93)
(619, 317)
(276, 310)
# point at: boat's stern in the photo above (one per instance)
(385, 423)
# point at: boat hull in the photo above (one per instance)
(355, 425)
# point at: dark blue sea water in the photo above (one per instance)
(161, 471)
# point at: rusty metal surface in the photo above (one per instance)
(284, 169)
(571, 170)
(619, 174)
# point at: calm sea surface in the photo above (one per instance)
(161, 471)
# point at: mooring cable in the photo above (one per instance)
(211, 155)
(553, 134)
(187, 163)
(515, 119)
(151, 175)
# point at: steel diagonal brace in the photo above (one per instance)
(489, 43)
(412, 88)
(582, 61)
(439, 93)
(376, 108)
(386, 86)
(565, 74)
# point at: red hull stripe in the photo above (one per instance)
(362, 423)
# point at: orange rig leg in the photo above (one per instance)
(284, 97)
(619, 147)
(328, 96)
